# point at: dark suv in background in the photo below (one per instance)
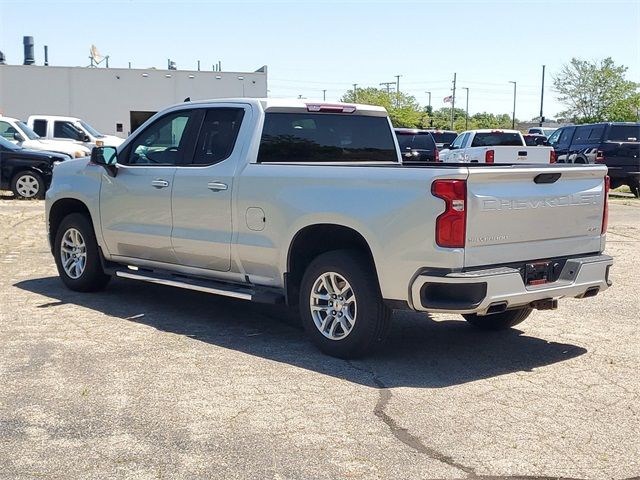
(614, 144)
(417, 146)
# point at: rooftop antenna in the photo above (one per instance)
(96, 58)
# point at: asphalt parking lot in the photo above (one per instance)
(143, 381)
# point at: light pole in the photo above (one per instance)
(429, 93)
(542, 97)
(355, 92)
(513, 119)
(324, 95)
(466, 110)
(398, 90)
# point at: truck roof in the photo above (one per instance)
(493, 130)
(55, 117)
(297, 105)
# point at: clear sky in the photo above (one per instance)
(314, 45)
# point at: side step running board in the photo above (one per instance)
(253, 293)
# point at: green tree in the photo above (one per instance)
(403, 109)
(596, 91)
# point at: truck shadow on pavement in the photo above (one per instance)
(420, 352)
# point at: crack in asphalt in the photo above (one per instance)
(403, 435)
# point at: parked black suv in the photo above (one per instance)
(27, 173)
(614, 144)
(443, 138)
(417, 146)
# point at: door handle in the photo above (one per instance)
(159, 183)
(217, 186)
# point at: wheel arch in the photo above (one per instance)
(59, 210)
(313, 240)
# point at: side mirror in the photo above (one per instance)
(17, 137)
(107, 157)
(446, 145)
(85, 138)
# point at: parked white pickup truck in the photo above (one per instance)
(71, 129)
(495, 146)
(308, 204)
(18, 133)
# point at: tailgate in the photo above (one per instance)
(508, 154)
(521, 213)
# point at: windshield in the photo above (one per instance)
(548, 131)
(6, 144)
(415, 141)
(27, 131)
(624, 133)
(92, 131)
(444, 137)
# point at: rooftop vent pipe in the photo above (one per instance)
(29, 57)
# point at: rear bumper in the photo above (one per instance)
(480, 291)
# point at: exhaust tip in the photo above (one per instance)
(497, 307)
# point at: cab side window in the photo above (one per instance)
(40, 127)
(65, 130)
(555, 136)
(7, 131)
(167, 141)
(457, 143)
(218, 135)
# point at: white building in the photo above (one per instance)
(115, 100)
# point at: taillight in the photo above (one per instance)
(553, 158)
(605, 213)
(451, 225)
(489, 156)
(437, 155)
(599, 156)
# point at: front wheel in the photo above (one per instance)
(28, 184)
(635, 189)
(341, 306)
(499, 321)
(77, 256)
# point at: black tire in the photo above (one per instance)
(635, 189)
(499, 321)
(34, 189)
(92, 278)
(372, 317)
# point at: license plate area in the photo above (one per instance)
(539, 273)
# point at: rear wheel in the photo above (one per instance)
(28, 184)
(77, 256)
(499, 321)
(341, 305)
(635, 189)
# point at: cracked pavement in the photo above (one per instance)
(143, 381)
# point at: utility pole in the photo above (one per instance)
(398, 90)
(388, 85)
(324, 95)
(355, 92)
(542, 97)
(513, 119)
(453, 100)
(466, 110)
(429, 93)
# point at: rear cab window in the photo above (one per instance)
(497, 139)
(326, 137)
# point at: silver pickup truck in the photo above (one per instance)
(309, 205)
